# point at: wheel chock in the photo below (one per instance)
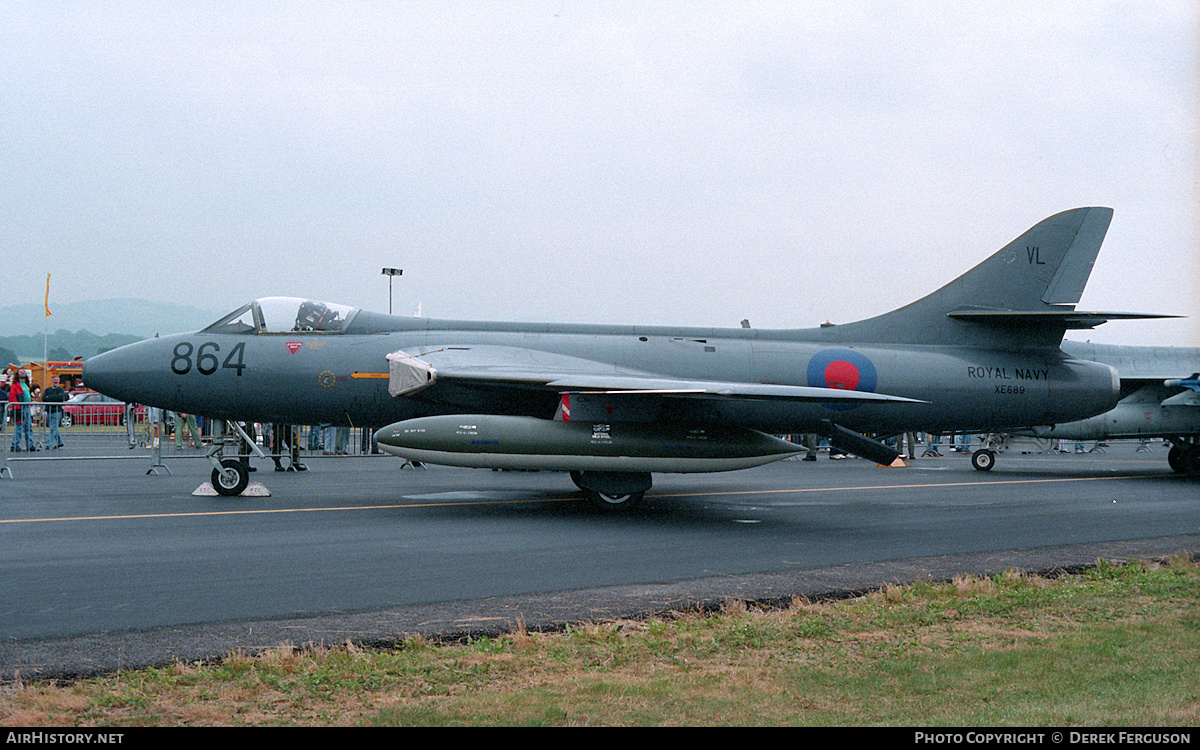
(254, 489)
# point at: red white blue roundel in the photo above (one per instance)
(843, 369)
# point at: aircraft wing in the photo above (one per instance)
(519, 367)
(1152, 373)
(1139, 362)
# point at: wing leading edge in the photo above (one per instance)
(500, 365)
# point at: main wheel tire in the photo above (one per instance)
(983, 459)
(608, 502)
(1175, 459)
(1184, 458)
(231, 479)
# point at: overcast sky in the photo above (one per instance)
(688, 163)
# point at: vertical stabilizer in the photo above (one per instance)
(1076, 265)
(1017, 297)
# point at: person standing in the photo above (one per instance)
(187, 422)
(245, 448)
(54, 396)
(6, 388)
(35, 403)
(328, 438)
(284, 440)
(19, 399)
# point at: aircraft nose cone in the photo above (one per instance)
(102, 372)
(126, 373)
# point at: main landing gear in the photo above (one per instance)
(612, 490)
(1184, 457)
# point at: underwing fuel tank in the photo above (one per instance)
(509, 442)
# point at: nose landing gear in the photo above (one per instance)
(230, 478)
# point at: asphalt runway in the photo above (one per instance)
(103, 566)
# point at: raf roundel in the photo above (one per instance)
(843, 369)
(842, 374)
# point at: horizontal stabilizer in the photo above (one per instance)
(1065, 319)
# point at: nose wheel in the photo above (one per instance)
(231, 476)
(231, 479)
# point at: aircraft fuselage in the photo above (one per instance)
(981, 353)
(318, 378)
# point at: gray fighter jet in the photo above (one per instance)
(613, 404)
(1160, 398)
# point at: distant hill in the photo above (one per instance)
(84, 328)
(136, 317)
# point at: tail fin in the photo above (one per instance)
(1024, 295)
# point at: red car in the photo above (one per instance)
(96, 408)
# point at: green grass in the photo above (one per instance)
(1118, 645)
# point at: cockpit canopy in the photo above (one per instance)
(285, 315)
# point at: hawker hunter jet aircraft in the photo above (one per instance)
(614, 404)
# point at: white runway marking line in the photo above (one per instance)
(263, 511)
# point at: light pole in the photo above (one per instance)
(390, 272)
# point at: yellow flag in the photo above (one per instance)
(48, 295)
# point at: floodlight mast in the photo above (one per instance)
(391, 272)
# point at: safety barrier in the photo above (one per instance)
(103, 429)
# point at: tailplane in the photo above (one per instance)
(1023, 295)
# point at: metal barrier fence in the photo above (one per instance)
(106, 429)
(101, 428)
